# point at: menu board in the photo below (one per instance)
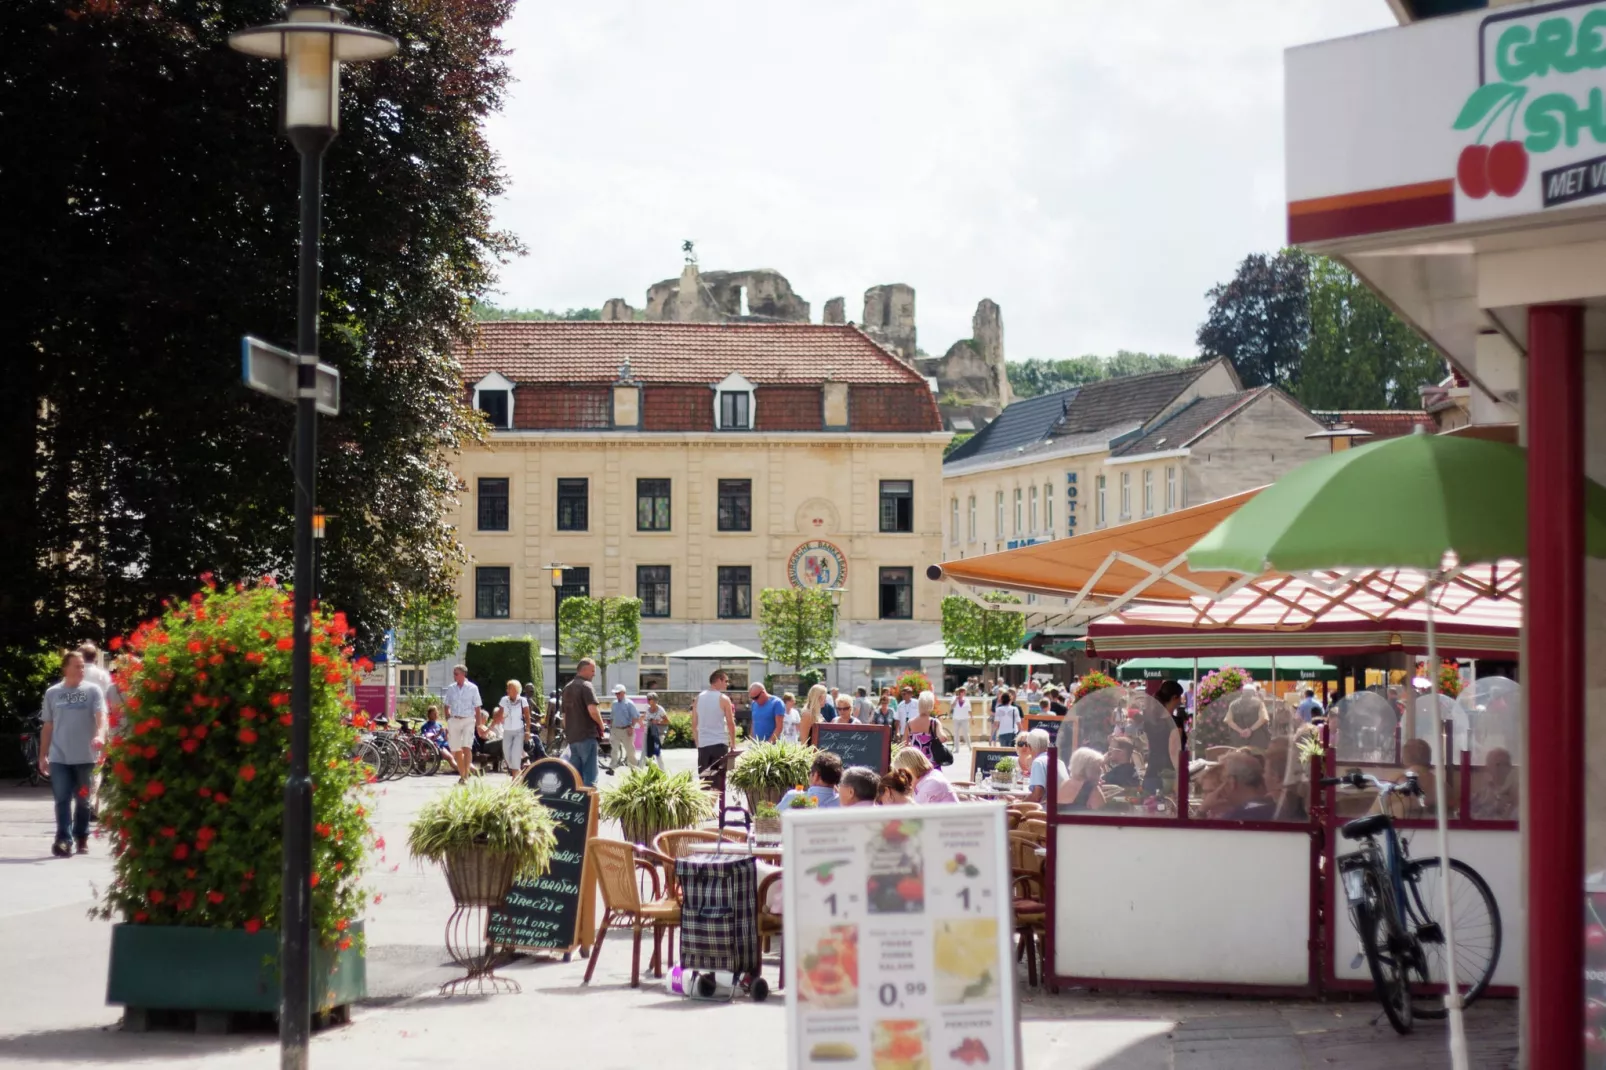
(899, 939)
(856, 744)
(983, 759)
(553, 912)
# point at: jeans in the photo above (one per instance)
(1007, 739)
(513, 749)
(655, 745)
(70, 785)
(583, 756)
(624, 747)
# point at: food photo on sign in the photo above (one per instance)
(899, 939)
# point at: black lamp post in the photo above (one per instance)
(836, 594)
(557, 571)
(312, 42)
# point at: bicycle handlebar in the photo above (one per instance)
(1358, 779)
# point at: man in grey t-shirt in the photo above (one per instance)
(70, 742)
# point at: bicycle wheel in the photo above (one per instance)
(367, 754)
(400, 759)
(1476, 929)
(422, 751)
(1382, 942)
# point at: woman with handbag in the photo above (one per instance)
(925, 732)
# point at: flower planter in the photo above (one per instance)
(189, 968)
(479, 878)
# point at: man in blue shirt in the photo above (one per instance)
(769, 713)
(1310, 707)
(824, 775)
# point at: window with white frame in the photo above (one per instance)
(493, 395)
(1020, 512)
(1098, 502)
(998, 518)
(1126, 495)
(1048, 508)
(1148, 492)
(1032, 502)
(953, 520)
(733, 404)
(1170, 488)
(972, 529)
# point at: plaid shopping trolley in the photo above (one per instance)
(719, 914)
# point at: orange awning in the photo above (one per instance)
(1143, 559)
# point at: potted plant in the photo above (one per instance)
(484, 835)
(192, 807)
(803, 802)
(1003, 774)
(767, 820)
(647, 801)
(766, 771)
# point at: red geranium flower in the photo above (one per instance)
(342, 925)
(313, 881)
(189, 745)
(247, 736)
(214, 897)
(115, 643)
(345, 943)
(154, 788)
(286, 643)
(221, 799)
(181, 852)
(157, 895)
(248, 772)
(253, 925)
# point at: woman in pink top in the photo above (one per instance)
(931, 786)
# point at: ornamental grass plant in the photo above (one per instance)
(504, 819)
(647, 801)
(193, 797)
(766, 771)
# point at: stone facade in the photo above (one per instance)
(889, 317)
(712, 296)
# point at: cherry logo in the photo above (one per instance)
(1501, 169)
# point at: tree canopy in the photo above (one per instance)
(1309, 325)
(483, 311)
(1029, 378)
(158, 210)
(796, 626)
(426, 629)
(606, 630)
(979, 635)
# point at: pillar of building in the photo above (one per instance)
(1554, 678)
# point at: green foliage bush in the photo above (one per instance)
(506, 819)
(491, 663)
(680, 734)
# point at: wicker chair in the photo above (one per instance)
(618, 866)
(1028, 897)
(772, 926)
(680, 842)
(1035, 827)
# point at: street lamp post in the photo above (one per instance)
(836, 594)
(312, 43)
(557, 571)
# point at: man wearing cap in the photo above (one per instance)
(622, 717)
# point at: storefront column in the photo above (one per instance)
(1554, 682)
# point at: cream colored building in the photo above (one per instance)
(1119, 450)
(694, 465)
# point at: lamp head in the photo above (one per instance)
(313, 42)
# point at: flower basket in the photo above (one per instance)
(1093, 681)
(914, 681)
(767, 771)
(479, 876)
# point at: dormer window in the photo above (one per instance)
(493, 395)
(733, 404)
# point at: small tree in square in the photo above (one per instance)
(796, 626)
(982, 635)
(426, 630)
(606, 630)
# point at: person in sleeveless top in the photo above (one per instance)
(1081, 788)
(923, 727)
(714, 723)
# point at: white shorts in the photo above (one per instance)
(460, 733)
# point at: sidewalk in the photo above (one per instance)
(53, 1013)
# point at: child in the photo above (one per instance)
(792, 720)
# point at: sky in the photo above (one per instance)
(1094, 166)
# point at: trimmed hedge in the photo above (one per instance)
(491, 663)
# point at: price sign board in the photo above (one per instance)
(856, 744)
(899, 939)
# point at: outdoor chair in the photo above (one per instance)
(681, 842)
(1029, 900)
(618, 866)
(1035, 827)
(772, 926)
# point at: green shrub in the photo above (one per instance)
(679, 735)
(491, 663)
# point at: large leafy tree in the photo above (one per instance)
(1360, 354)
(152, 218)
(796, 626)
(606, 630)
(982, 635)
(1260, 318)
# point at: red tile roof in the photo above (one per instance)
(1382, 423)
(570, 351)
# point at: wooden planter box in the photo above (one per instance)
(189, 968)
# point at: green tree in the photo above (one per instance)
(796, 626)
(1360, 354)
(1029, 378)
(1260, 318)
(426, 629)
(606, 630)
(131, 457)
(484, 311)
(978, 635)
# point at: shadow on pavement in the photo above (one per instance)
(106, 1044)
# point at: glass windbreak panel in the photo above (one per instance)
(1492, 707)
(1245, 762)
(1118, 753)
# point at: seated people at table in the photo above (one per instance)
(1248, 724)
(1243, 789)
(1417, 757)
(1162, 728)
(824, 776)
(1120, 763)
(1006, 719)
(931, 784)
(1284, 784)
(923, 727)
(1080, 790)
(1205, 779)
(1495, 790)
(859, 786)
(433, 730)
(895, 788)
(1031, 754)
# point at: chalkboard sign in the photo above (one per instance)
(856, 744)
(1046, 721)
(554, 913)
(982, 760)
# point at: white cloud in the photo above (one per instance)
(1092, 165)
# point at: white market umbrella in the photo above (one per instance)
(718, 650)
(939, 649)
(845, 651)
(1031, 658)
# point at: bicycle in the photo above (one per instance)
(29, 741)
(1395, 901)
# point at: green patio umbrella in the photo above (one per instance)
(1399, 503)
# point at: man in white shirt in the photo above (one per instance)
(622, 718)
(908, 709)
(464, 715)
